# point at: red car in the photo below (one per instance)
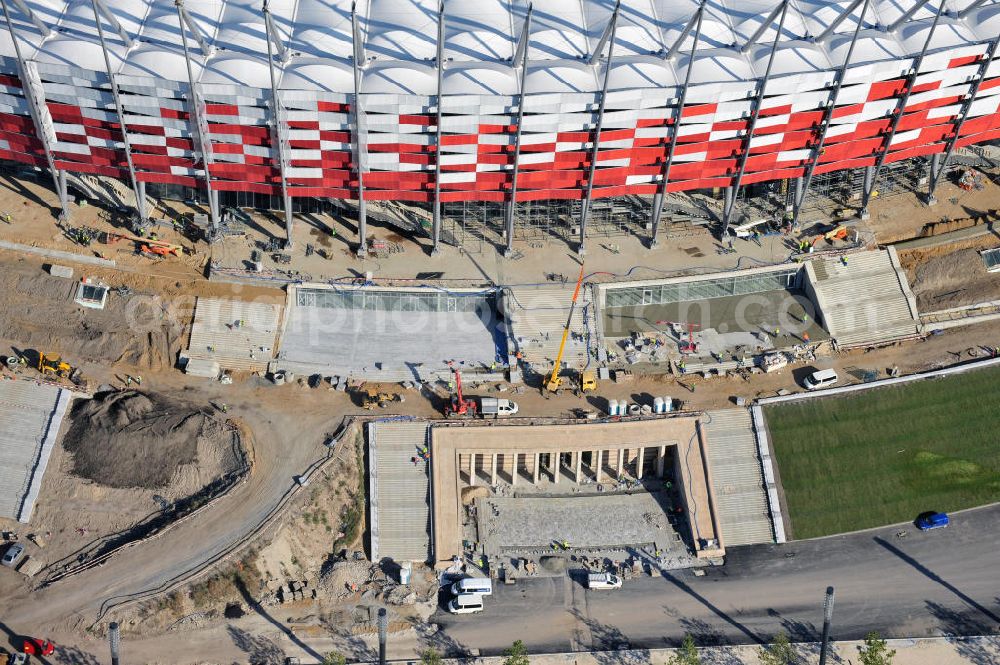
(37, 647)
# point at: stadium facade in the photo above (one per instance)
(554, 105)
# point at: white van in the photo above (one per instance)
(496, 408)
(603, 581)
(823, 378)
(466, 603)
(481, 586)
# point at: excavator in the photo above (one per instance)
(838, 233)
(554, 382)
(53, 365)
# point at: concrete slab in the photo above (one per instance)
(385, 345)
(239, 335)
(30, 415)
(399, 506)
(595, 521)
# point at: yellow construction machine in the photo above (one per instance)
(588, 381)
(53, 365)
(554, 382)
(374, 397)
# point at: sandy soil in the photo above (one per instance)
(952, 275)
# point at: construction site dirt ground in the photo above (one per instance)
(952, 274)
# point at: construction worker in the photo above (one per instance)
(224, 407)
(805, 337)
(138, 380)
(777, 332)
(805, 318)
(128, 380)
(843, 260)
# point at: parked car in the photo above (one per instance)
(481, 586)
(13, 555)
(466, 603)
(928, 521)
(823, 378)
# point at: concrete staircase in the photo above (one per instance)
(865, 302)
(399, 492)
(737, 478)
(537, 317)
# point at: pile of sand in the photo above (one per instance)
(340, 578)
(130, 439)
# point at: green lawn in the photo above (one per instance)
(885, 455)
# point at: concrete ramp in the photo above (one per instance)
(737, 476)
(399, 491)
(865, 301)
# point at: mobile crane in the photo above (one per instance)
(555, 381)
(459, 406)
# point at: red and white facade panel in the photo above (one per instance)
(319, 136)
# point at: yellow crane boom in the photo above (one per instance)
(554, 381)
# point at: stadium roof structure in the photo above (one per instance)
(481, 36)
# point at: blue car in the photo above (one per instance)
(928, 521)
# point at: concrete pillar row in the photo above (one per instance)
(555, 462)
(513, 469)
(661, 458)
(493, 469)
(579, 466)
(535, 469)
(472, 470)
(621, 463)
(600, 465)
(639, 462)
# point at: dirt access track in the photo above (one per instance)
(286, 443)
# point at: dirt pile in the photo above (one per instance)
(954, 280)
(130, 439)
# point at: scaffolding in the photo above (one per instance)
(471, 224)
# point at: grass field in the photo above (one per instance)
(885, 455)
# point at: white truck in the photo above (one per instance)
(492, 407)
(603, 581)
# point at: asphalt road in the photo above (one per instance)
(933, 583)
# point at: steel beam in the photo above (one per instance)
(602, 42)
(803, 191)
(357, 145)
(968, 10)
(661, 192)
(695, 18)
(195, 103)
(274, 37)
(279, 134)
(960, 120)
(830, 29)
(907, 15)
(589, 191)
(113, 20)
(140, 200)
(58, 178)
(185, 19)
(33, 17)
(900, 110)
(436, 212)
(512, 204)
(752, 125)
(763, 28)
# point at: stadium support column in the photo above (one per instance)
(911, 79)
(800, 194)
(661, 192)
(357, 144)
(140, 192)
(436, 213)
(942, 164)
(727, 209)
(36, 101)
(609, 38)
(278, 136)
(200, 126)
(521, 55)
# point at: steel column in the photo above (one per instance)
(58, 179)
(357, 144)
(589, 191)
(140, 199)
(278, 151)
(436, 212)
(802, 192)
(960, 120)
(752, 125)
(695, 18)
(203, 141)
(762, 29)
(512, 204)
(900, 110)
(907, 15)
(661, 192)
(27, 11)
(973, 5)
(185, 19)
